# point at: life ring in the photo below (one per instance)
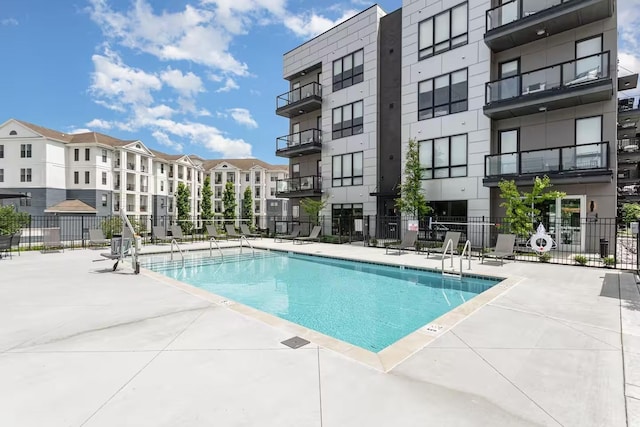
(541, 234)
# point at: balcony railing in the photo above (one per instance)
(143, 168)
(144, 188)
(629, 145)
(131, 208)
(573, 158)
(116, 207)
(143, 208)
(116, 186)
(180, 176)
(306, 142)
(516, 10)
(299, 100)
(131, 166)
(305, 184)
(131, 187)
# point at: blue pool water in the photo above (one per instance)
(368, 305)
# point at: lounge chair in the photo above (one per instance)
(231, 232)
(15, 241)
(312, 237)
(504, 248)
(160, 234)
(244, 228)
(176, 233)
(5, 245)
(408, 242)
(96, 237)
(453, 236)
(212, 231)
(295, 232)
(51, 239)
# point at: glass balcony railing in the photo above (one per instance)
(299, 100)
(568, 74)
(629, 145)
(306, 138)
(517, 9)
(300, 184)
(553, 160)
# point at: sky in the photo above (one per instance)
(182, 76)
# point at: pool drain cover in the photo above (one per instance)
(295, 342)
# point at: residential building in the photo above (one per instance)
(628, 174)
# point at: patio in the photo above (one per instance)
(82, 346)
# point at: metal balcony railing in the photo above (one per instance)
(629, 145)
(574, 73)
(296, 95)
(570, 158)
(309, 137)
(300, 184)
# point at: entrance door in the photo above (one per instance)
(509, 151)
(563, 219)
(295, 134)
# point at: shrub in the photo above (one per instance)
(609, 261)
(544, 257)
(11, 220)
(581, 259)
(373, 242)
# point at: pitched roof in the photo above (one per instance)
(99, 138)
(71, 206)
(243, 164)
(49, 133)
(166, 156)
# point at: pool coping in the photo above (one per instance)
(384, 360)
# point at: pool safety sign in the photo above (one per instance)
(412, 225)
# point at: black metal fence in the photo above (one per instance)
(601, 242)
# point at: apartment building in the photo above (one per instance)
(628, 176)
(259, 176)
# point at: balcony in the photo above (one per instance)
(131, 208)
(299, 143)
(305, 186)
(568, 164)
(523, 21)
(628, 146)
(300, 100)
(143, 208)
(131, 187)
(568, 84)
(116, 207)
(628, 118)
(144, 188)
(131, 166)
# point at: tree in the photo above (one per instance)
(412, 199)
(247, 206)
(521, 210)
(313, 208)
(630, 212)
(183, 196)
(229, 202)
(207, 211)
(12, 220)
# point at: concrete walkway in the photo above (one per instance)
(82, 346)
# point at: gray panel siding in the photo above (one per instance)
(41, 199)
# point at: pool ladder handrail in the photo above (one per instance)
(464, 250)
(179, 250)
(444, 253)
(243, 237)
(213, 239)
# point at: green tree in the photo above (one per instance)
(183, 196)
(313, 208)
(412, 199)
(12, 220)
(630, 212)
(521, 211)
(229, 202)
(247, 206)
(207, 211)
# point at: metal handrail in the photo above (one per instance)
(243, 237)
(213, 239)
(466, 245)
(449, 243)
(179, 250)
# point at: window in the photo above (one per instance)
(87, 177)
(257, 210)
(161, 185)
(295, 170)
(590, 66)
(443, 157)
(25, 150)
(257, 192)
(442, 32)
(1, 151)
(104, 178)
(218, 178)
(347, 120)
(104, 156)
(1, 175)
(274, 178)
(247, 177)
(442, 95)
(104, 200)
(508, 140)
(295, 211)
(218, 206)
(231, 177)
(87, 154)
(257, 177)
(348, 70)
(161, 167)
(26, 201)
(218, 192)
(272, 191)
(76, 154)
(347, 170)
(13, 133)
(25, 175)
(588, 130)
(76, 177)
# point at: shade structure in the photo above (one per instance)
(8, 194)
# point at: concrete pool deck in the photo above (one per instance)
(82, 346)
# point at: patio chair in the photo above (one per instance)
(453, 236)
(160, 234)
(312, 237)
(15, 241)
(295, 232)
(231, 232)
(5, 245)
(244, 228)
(176, 233)
(51, 239)
(408, 242)
(212, 231)
(96, 237)
(504, 248)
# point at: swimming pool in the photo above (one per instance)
(367, 305)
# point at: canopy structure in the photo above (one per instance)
(8, 194)
(71, 207)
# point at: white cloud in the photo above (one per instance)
(99, 124)
(208, 136)
(187, 85)
(163, 139)
(74, 131)
(229, 85)
(242, 116)
(629, 40)
(312, 24)
(9, 22)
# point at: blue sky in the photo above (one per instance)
(183, 76)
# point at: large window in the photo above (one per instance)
(76, 154)
(443, 95)
(1, 151)
(25, 174)
(87, 154)
(443, 157)
(442, 32)
(87, 177)
(25, 150)
(104, 178)
(347, 170)
(104, 156)
(1, 175)
(347, 120)
(348, 70)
